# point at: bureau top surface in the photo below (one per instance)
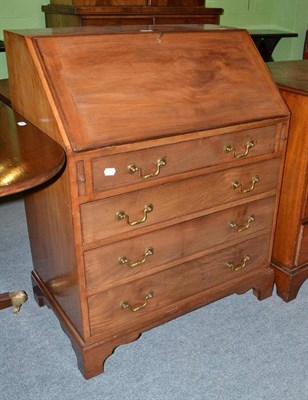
(291, 75)
(114, 85)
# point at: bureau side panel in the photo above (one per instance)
(51, 232)
(29, 90)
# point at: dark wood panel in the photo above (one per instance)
(90, 12)
(148, 3)
(5, 92)
(291, 76)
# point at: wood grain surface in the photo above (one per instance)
(28, 157)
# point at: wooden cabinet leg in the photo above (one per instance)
(265, 288)
(288, 282)
(264, 292)
(38, 294)
(91, 358)
(262, 287)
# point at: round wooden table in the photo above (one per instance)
(28, 158)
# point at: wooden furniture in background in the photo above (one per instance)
(290, 254)
(305, 53)
(5, 95)
(4, 83)
(28, 158)
(266, 40)
(175, 141)
(136, 12)
(133, 12)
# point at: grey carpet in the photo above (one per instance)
(236, 348)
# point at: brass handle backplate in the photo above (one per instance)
(238, 267)
(229, 149)
(121, 215)
(241, 228)
(126, 304)
(124, 260)
(236, 184)
(133, 168)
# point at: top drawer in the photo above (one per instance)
(148, 164)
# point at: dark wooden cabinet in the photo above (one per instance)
(290, 255)
(175, 140)
(132, 12)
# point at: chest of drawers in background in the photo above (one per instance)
(128, 12)
(290, 255)
(175, 141)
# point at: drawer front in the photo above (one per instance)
(139, 166)
(130, 259)
(302, 254)
(110, 309)
(112, 216)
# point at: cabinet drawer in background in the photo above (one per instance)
(114, 21)
(117, 170)
(110, 217)
(302, 253)
(113, 264)
(106, 310)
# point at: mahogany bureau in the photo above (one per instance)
(175, 140)
(290, 254)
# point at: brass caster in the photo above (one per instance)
(18, 299)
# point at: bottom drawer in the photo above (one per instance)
(302, 253)
(115, 307)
